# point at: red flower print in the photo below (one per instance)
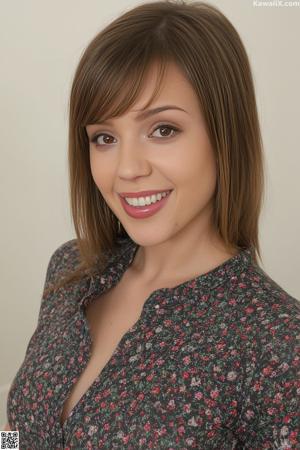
(147, 426)
(257, 386)
(267, 370)
(155, 390)
(141, 396)
(79, 433)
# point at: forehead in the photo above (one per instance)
(174, 90)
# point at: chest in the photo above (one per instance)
(109, 317)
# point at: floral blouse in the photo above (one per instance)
(212, 363)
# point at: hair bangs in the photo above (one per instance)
(118, 90)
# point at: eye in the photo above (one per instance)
(95, 139)
(165, 127)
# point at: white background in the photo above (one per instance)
(40, 46)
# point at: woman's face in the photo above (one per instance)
(168, 150)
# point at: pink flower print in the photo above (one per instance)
(171, 405)
(92, 430)
(25, 391)
(220, 345)
(160, 362)
(187, 408)
(278, 398)
(49, 393)
(187, 360)
(195, 381)
(97, 397)
(150, 377)
(217, 420)
(293, 437)
(106, 393)
(181, 430)
(149, 334)
(231, 376)
(198, 395)
(214, 394)
(210, 403)
(208, 412)
(249, 414)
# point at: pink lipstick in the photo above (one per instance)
(142, 212)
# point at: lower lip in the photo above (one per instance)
(141, 212)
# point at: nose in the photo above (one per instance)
(132, 160)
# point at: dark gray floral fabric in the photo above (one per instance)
(212, 363)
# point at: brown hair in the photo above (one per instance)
(108, 79)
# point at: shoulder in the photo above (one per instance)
(265, 294)
(63, 259)
(268, 321)
(66, 257)
(266, 313)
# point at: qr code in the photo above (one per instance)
(10, 439)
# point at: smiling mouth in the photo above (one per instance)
(141, 201)
(141, 208)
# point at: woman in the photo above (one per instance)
(157, 326)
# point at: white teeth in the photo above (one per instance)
(142, 201)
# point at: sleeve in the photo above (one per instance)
(270, 417)
(60, 260)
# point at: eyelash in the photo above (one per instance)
(162, 125)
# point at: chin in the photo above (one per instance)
(145, 238)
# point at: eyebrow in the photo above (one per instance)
(149, 112)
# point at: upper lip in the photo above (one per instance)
(142, 193)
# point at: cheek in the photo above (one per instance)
(194, 172)
(100, 173)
